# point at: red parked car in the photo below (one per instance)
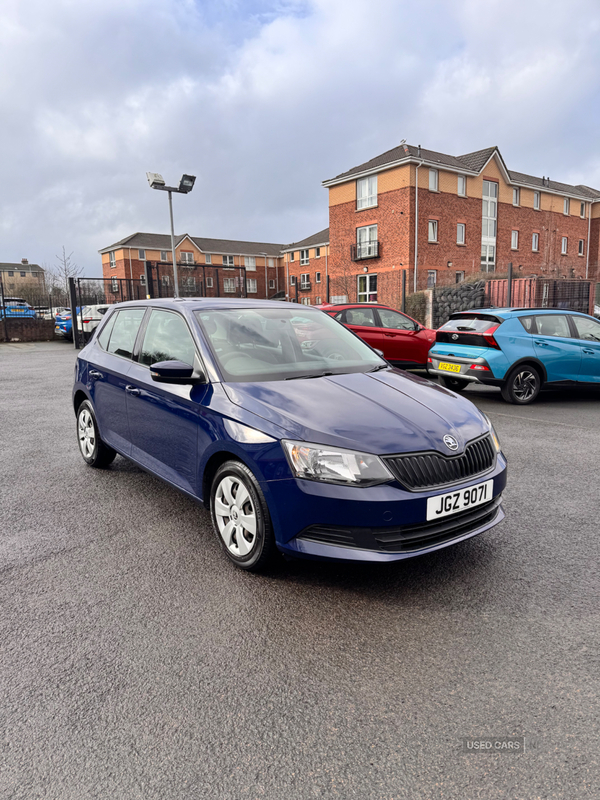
(404, 342)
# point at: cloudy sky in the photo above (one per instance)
(263, 100)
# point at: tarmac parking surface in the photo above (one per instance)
(137, 663)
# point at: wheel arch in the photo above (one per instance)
(78, 399)
(211, 467)
(529, 361)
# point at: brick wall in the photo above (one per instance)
(27, 330)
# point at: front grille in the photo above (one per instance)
(406, 538)
(426, 470)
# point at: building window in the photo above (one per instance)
(367, 288)
(305, 280)
(318, 300)
(251, 285)
(317, 252)
(433, 180)
(317, 277)
(112, 259)
(564, 246)
(166, 280)
(142, 255)
(460, 276)
(366, 242)
(366, 192)
(536, 201)
(567, 207)
(271, 262)
(293, 280)
(228, 261)
(581, 247)
(34, 275)
(209, 283)
(303, 257)
(535, 242)
(516, 197)
(488, 258)
(208, 258)
(142, 279)
(186, 257)
(250, 262)
(462, 185)
(432, 230)
(291, 256)
(305, 301)
(11, 273)
(114, 285)
(431, 278)
(582, 210)
(164, 256)
(11, 286)
(460, 233)
(271, 284)
(22, 274)
(229, 285)
(189, 283)
(514, 240)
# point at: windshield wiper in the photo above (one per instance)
(302, 377)
(378, 367)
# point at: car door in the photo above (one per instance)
(557, 349)
(363, 322)
(163, 417)
(109, 362)
(588, 335)
(401, 338)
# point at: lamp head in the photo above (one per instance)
(155, 180)
(186, 184)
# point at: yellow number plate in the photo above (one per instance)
(449, 367)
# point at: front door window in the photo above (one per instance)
(367, 288)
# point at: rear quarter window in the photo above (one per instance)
(529, 324)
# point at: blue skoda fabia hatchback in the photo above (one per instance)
(296, 435)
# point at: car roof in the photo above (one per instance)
(213, 303)
(518, 311)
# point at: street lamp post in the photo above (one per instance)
(186, 184)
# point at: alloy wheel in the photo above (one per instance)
(524, 385)
(235, 516)
(86, 433)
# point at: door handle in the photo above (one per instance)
(133, 390)
(93, 373)
(589, 352)
(542, 344)
(391, 334)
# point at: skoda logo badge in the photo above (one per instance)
(454, 337)
(450, 442)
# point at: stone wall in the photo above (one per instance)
(27, 330)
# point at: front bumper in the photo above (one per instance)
(379, 523)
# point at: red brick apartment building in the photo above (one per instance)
(306, 269)
(440, 218)
(207, 267)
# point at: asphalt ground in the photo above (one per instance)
(135, 662)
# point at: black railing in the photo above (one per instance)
(363, 250)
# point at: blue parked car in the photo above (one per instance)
(296, 434)
(16, 307)
(521, 350)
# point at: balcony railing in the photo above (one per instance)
(362, 250)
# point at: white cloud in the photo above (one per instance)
(263, 100)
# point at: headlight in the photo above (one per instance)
(493, 433)
(333, 465)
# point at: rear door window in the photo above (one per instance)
(552, 325)
(104, 335)
(124, 332)
(364, 317)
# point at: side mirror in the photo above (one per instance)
(174, 372)
(379, 352)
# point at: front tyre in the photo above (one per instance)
(454, 384)
(241, 518)
(92, 448)
(522, 385)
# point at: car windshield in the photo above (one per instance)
(474, 324)
(274, 344)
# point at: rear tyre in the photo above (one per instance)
(522, 385)
(455, 384)
(241, 518)
(92, 448)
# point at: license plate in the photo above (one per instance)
(444, 504)
(449, 367)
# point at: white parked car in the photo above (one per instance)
(90, 318)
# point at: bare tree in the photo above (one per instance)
(64, 269)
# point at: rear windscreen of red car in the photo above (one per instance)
(476, 330)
